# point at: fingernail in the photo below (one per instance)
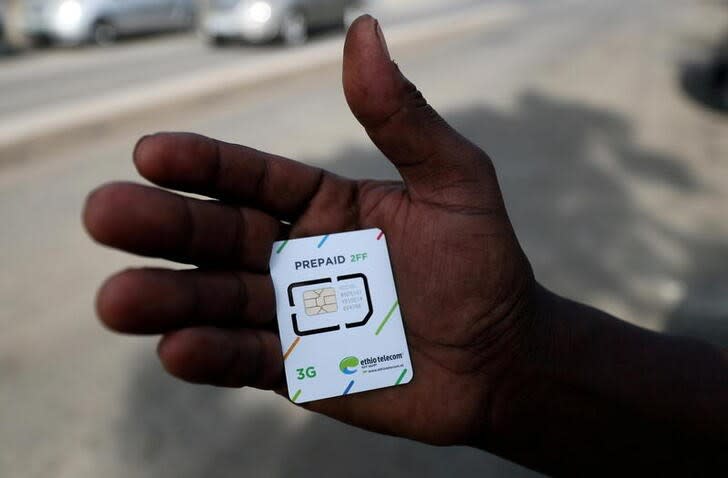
(382, 40)
(138, 144)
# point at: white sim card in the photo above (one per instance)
(338, 315)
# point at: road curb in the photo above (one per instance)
(27, 132)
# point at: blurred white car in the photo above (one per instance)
(103, 21)
(261, 21)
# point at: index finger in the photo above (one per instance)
(230, 172)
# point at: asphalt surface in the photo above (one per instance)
(615, 181)
(36, 79)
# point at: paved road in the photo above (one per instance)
(616, 184)
(40, 79)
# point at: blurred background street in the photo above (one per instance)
(616, 180)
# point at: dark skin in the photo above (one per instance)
(506, 370)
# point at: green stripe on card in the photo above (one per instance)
(280, 248)
(401, 376)
(296, 395)
(386, 318)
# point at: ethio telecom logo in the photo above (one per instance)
(348, 365)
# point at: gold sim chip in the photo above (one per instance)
(320, 301)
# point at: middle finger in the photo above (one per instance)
(153, 222)
(153, 301)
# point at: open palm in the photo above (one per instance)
(463, 281)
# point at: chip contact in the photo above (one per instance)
(320, 301)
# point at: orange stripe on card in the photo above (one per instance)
(291, 347)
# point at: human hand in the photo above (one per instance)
(464, 284)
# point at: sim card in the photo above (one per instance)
(338, 315)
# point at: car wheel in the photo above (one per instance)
(218, 40)
(40, 42)
(104, 33)
(294, 28)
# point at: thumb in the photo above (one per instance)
(436, 162)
